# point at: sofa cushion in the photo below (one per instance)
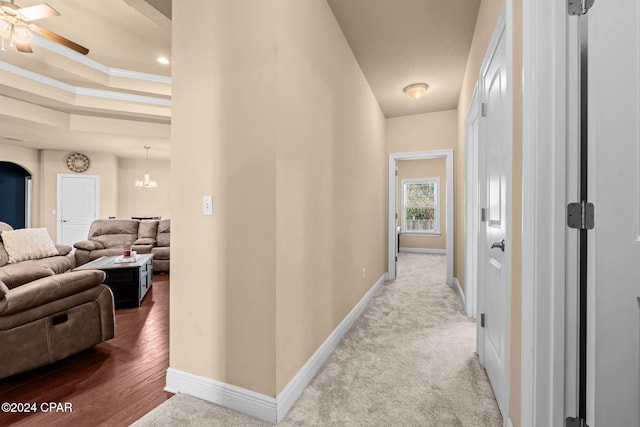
(114, 233)
(161, 253)
(88, 245)
(49, 289)
(164, 233)
(63, 249)
(58, 264)
(14, 275)
(28, 243)
(145, 241)
(148, 230)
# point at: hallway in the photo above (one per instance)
(409, 360)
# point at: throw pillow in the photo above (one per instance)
(28, 243)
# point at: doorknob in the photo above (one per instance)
(65, 220)
(499, 244)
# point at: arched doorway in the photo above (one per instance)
(15, 193)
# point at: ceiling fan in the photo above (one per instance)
(17, 28)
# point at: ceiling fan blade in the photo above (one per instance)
(39, 11)
(24, 47)
(9, 7)
(59, 39)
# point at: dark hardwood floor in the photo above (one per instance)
(113, 384)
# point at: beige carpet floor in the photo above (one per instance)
(408, 361)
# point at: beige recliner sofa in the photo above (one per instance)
(109, 237)
(48, 312)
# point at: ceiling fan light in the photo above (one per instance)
(416, 90)
(5, 28)
(21, 33)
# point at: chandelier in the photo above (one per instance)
(145, 181)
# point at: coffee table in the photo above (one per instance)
(129, 281)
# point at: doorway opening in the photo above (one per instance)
(394, 211)
(15, 192)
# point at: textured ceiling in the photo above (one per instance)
(400, 42)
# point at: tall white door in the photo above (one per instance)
(494, 156)
(614, 187)
(78, 206)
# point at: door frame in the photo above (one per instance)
(393, 190)
(96, 179)
(472, 207)
(549, 172)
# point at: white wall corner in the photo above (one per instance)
(258, 405)
(458, 287)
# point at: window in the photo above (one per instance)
(421, 206)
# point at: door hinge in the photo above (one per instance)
(576, 422)
(396, 172)
(483, 109)
(396, 215)
(482, 320)
(483, 214)
(579, 7)
(581, 215)
(396, 258)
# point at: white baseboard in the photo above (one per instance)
(508, 423)
(258, 405)
(237, 398)
(424, 251)
(292, 391)
(456, 284)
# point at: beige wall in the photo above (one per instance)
(53, 162)
(118, 196)
(426, 168)
(140, 201)
(294, 167)
(331, 212)
(422, 132)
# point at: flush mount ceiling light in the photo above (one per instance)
(146, 181)
(416, 90)
(163, 60)
(16, 27)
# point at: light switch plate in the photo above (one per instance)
(207, 205)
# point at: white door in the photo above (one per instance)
(493, 252)
(614, 188)
(78, 206)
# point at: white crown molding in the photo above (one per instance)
(258, 405)
(27, 76)
(64, 51)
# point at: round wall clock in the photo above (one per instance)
(77, 162)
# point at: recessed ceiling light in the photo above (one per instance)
(163, 60)
(416, 90)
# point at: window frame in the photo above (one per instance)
(436, 226)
